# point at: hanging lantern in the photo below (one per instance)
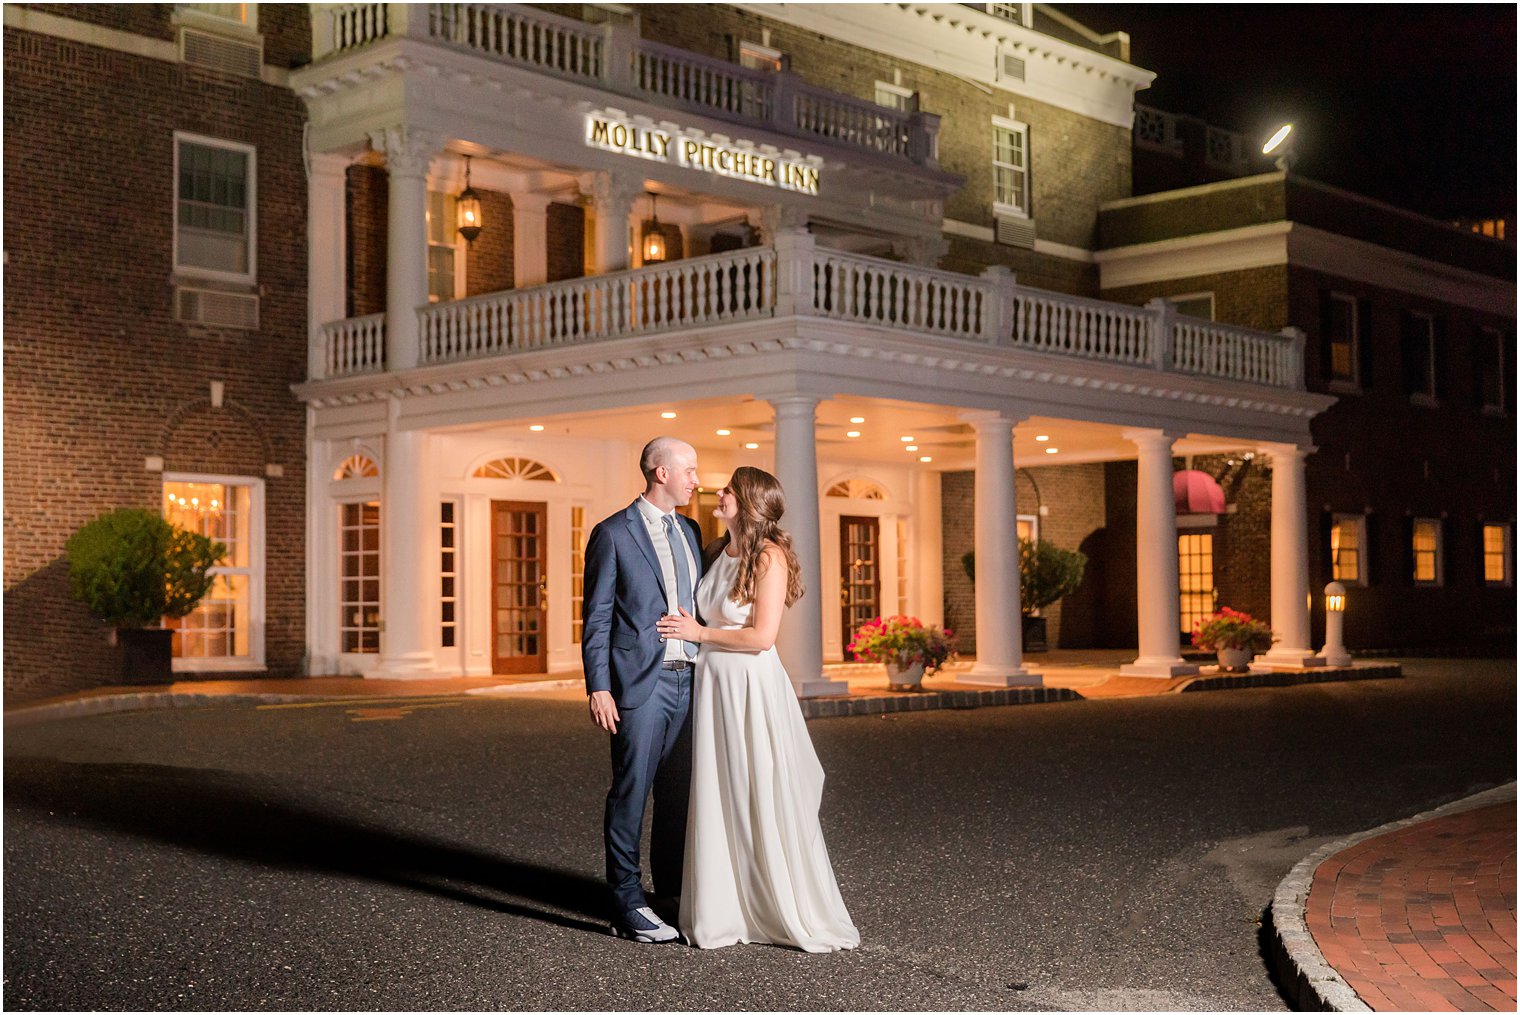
(654, 240)
(468, 208)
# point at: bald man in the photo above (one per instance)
(643, 563)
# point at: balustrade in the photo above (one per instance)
(354, 346)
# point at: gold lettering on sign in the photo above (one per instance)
(735, 162)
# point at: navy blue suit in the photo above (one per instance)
(624, 596)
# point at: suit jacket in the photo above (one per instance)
(623, 598)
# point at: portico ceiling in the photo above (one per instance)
(938, 433)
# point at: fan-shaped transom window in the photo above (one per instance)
(356, 467)
(857, 489)
(516, 468)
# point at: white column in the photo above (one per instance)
(326, 261)
(1290, 560)
(408, 153)
(800, 642)
(409, 549)
(612, 204)
(1158, 603)
(928, 552)
(999, 620)
(530, 239)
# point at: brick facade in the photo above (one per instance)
(99, 375)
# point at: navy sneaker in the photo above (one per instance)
(644, 926)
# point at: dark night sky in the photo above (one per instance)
(1414, 105)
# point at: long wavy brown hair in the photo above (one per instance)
(760, 505)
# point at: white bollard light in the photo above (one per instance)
(1335, 615)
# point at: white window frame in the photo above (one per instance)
(1354, 384)
(338, 504)
(255, 572)
(1440, 554)
(1000, 207)
(1509, 548)
(1034, 526)
(1360, 521)
(197, 16)
(1427, 397)
(455, 526)
(756, 53)
(191, 271)
(1180, 298)
(458, 244)
(904, 100)
(1003, 11)
(1496, 337)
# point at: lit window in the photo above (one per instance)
(1419, 349)
(220, 631)
(1348, 548)
(214, 208)
(1010, 166)
(577, 569)
(1195, 577)
(1496, 554)
(443, 235)
(1342, 339)
(758, 57)
(1028, 528)
(1426, 551)
(902, 565)
(449, 574)
(1491, 372)
(1017, 13)
(516, 468)
(359, 615)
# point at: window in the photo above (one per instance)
(221, 631)
(1156, 130)
(1195, 577)
(1342, 340)
(896, 97)
(758, 57)
(1028, 528)
(1017, 13)
(902, 565)
(1419, 349)
(1426, 551)
(1195, 305)
(1224, 149)
(1490, 357)
(359, 616)
(1348, 549)
(449, 574)
(577, 569)
(226, 17)
(443, 237)
(1010, 166)
(1496, 554)
(214, 233)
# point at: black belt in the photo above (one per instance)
(676, 664)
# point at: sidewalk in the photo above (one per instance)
(1418, 915)
(1067, 675)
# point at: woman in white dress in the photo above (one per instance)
(756, 866)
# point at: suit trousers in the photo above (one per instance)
(651, 750)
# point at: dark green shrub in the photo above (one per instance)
(131, 567)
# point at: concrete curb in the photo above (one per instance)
(1310, 982)
(1289, 678)
(919, 701)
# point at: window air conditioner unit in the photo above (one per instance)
(1013, 231)
(215, 309)
(219, 53)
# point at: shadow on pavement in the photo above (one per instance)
(234, 816)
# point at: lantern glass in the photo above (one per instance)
(468, 214)
(654, 243)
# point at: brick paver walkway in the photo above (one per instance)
(1423, 919)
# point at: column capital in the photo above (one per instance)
(529, 201)
(774, 219)
(1287, 452)
(610, 190)
(408, 150)
(1146, 437)
(991, 419)
(327, 165)
(795, 404)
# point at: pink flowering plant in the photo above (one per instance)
(904, 642)
(1229, 628)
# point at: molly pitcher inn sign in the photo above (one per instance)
(611, 131)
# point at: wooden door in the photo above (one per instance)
(519, 592)
(859, 574)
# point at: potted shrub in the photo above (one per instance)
(131, 568)
(1234, 637)
(906, 647)
(1047, 574)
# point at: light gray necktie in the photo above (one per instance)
(683, 576)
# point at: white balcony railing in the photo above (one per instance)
(796, 278)
(613, 58)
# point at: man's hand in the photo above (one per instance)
(604, 710)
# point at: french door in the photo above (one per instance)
(859, 574)
(519, 593)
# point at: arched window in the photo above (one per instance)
(357, 467)
(516, 468)
(857, 489)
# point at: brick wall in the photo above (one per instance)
(488, 265)
(98, 376)
(149, 20)
(367, 192)
(1253, 298)
(1249, 202)
(566, 228)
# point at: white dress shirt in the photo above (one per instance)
(654, 522)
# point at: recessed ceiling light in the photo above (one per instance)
(752, 447)
(1051, 451)
(536, 427)
(853, 433)
(667, 415)
(908, 440)
(857, 419)
(724, 433)
(925, 458)
(1042, 436)
(911, 447)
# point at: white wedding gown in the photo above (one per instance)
(756, 866)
